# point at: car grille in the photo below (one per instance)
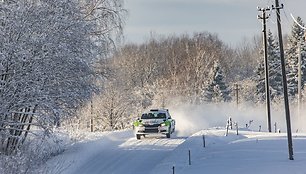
(151, 130)
(150, 126)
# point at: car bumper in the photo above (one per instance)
(152, 130)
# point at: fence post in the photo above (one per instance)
(173, 169)
(275, 127)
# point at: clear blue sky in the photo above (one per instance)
(232, 20)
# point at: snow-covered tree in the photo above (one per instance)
(295, 39)
(275, 76)
(275, 71)
(46, 52)
(181, 63)
(113, 108)
(217, 90)
(260, 79)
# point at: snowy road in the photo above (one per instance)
(250, 152)
(118, 153)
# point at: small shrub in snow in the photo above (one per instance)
(35, 152)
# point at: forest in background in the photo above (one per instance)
(194, 69)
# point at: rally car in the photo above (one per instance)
(155, 121)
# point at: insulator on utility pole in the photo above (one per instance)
(264, 17)
(285, 88)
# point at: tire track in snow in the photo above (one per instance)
(117, 154)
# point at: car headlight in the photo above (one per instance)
(163, 124)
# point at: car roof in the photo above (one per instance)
(159, 110)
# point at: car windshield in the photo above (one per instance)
(153, 115)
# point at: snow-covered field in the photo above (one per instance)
(120, 153)
(250, 152)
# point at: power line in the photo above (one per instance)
(287, 18)
(297, 22)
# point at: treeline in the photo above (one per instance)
(194, 69)
(167, 71)
(177, 66)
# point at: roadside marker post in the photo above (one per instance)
(189, 154)
(204, 142)
(237, 129)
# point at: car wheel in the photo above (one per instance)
(168, 135)
(138, 136)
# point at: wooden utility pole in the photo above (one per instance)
(264, 17)
(237, 93)
(285, 88)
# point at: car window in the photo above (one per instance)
(161, 115)
(153, 115)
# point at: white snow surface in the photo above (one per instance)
(120, 153)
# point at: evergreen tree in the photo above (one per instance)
(295, 39)
(275, 71)
(260, 81)
(275, 76)
(217, 90)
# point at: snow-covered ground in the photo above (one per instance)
(249, 152)
(120, 153)
(114, 152)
